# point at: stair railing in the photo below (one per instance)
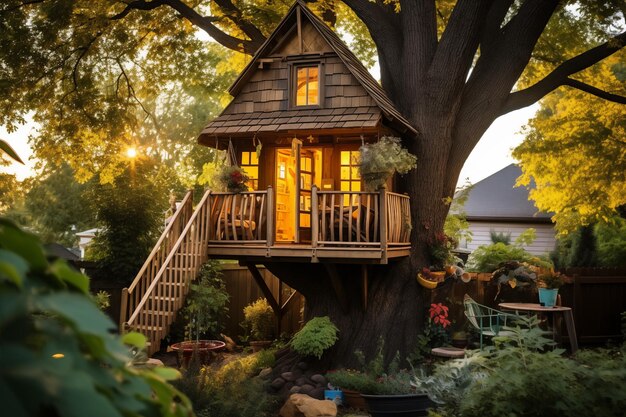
(166, 293)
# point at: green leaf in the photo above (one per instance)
(9, 151)
(23, 244)
(79, 398)
(11, 404)
(63, 271)
(134, 339)
(79, 311)
(168, 374)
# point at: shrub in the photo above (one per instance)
(611, 243)
(318, 335)
(259, 318)
(59, 355)
(206, 303)
(488, 258)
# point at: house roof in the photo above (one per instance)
(354, 112)
(56, 250)
(496, 198)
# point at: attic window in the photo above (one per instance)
(307, 85)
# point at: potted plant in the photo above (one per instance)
(395, 394)
(233, 178)
(352, 383)
(549, 283)
(205, 306)
(378, 161)
(441, 256)
(259, 320)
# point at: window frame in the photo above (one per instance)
(294, 80)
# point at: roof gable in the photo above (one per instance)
(497, 197)
(261, 97)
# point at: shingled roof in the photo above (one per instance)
(354, 98)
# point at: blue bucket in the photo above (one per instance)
(547, 297)
(334, 395)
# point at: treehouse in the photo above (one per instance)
(310, 104)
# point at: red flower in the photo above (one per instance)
(439, 314)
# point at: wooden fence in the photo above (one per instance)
(243, 290)
(597, 297)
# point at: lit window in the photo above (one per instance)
(250, 164)
(307, 86)
(349, 172)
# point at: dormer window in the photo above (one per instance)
(307, 85)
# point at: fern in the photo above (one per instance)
(318, 335)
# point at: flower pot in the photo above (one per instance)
(335, 395)
(204, 348)
(259, 345)
(353, 399)
(547, 297)
(407, 405)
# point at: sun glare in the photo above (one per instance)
(131, 152)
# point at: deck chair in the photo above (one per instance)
(488, 321)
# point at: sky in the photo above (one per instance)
(492, 153)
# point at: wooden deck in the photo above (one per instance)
(346, 227)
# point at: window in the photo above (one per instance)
(250, 164)
(307, 86)
(349, 174)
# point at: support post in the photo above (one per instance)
(267, 293)
(364, 285)
(383, 224)
(123, 309)
(315, 214)
(270, 217)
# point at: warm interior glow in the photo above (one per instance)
(307, 86)
(58, 356)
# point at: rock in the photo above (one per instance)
(301, 381)
(153, 363)
(288, 376)
(306, 388)
(300, 405)
(277, 383)
(319, 379)
(303, 366)
(289, 385)
(265, 372)
(317, 393)
(295, 389)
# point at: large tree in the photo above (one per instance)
(452, 68)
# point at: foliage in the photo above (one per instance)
(509, 379)
(102, 299)
(66, 211)
(316, 336)
(440, 250)
(259, 318)
(575, 155)
(206, 303)
(549, 279)
(500, 237)
(129, 211)
(611, 243)
(351, 379)
(233, 178)
(434, 333)
(487, 258)
(456, 224)
(378, 161)
(232, 390)
(60, 356)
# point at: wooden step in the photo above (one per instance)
(159, 312)
(143, 327)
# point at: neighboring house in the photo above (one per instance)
(496, 204)
(85, 238)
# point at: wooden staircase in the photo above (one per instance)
(150, 304)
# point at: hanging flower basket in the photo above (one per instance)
(378, 161)
(233, 179)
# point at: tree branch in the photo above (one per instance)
(594, 90)
(236, 16)
(206, 23)
(559, 76)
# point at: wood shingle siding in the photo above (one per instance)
(350, 98)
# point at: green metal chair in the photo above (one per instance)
(488, 321)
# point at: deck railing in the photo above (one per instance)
(360, 218)
(245, 217)
(152, 309)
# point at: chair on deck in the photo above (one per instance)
(488, 321)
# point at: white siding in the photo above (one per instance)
(544, 243)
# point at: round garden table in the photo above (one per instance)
(566, 312)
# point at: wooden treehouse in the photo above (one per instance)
(310, 103)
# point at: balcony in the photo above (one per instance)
(345, 227)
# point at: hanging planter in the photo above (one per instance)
(378, 161)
